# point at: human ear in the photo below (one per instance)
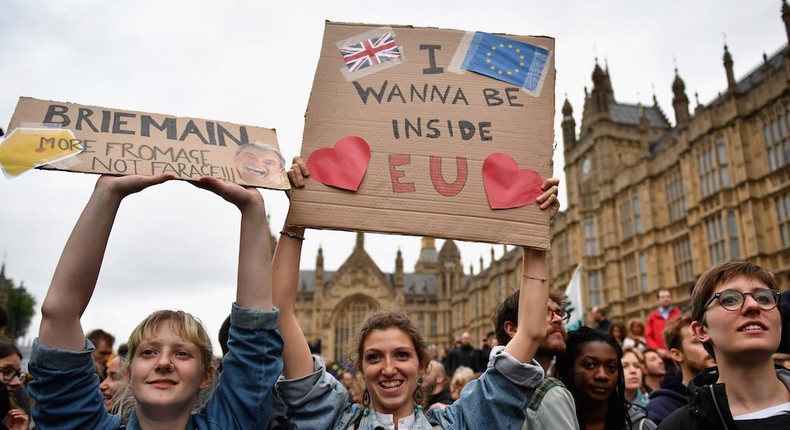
(676, 356)
(208, 377)
(700, 331)
(510, 329)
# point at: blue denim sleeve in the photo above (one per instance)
(317, 400)
(497, 399)
(243, 397)
(66, 390)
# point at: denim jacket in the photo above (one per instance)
(67, 394)
(496, 400)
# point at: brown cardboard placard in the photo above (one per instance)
(91, 139)
(431, 124)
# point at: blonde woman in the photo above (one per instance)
(169, 367)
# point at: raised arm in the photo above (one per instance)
(534, 288)
(254, 286)
(297, 359)
(78, 268)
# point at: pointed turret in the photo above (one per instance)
(568, 125)
(679, 101)
(360, 246)
(731, 85)
(602, 94)
(399, 268)
(450, 268)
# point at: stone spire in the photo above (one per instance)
(731, 85)
(568, 125)
(679, 101)
(360, 241)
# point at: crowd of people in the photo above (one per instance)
(711, 367)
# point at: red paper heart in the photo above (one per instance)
(342, 166)
(507, 186)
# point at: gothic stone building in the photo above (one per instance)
(652, 205)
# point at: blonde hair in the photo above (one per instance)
(185, 326)
(461, 377)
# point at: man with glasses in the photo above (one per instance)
(551, 405)
(735, 316)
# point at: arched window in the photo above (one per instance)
(348, 317)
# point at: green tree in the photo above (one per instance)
(20, 310)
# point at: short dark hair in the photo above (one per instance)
(719, 274)
(8, 348)
(673, 337)
(224, 333)
(508, 311)
(98, 335)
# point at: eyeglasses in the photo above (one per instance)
(733, 300)
(9, 372)
(564, 316)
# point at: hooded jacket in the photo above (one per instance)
(709, 409)
(670, 397)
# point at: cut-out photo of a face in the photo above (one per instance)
(260, 164)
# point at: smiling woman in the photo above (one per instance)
(169, 370)
(392, 357)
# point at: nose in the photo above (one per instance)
(164, 364)
(600, 374)
(15, 382)
(389, 367)
(750, 304)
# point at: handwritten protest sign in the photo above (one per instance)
(429, 132)
(90, 139)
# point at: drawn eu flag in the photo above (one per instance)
(507, 60)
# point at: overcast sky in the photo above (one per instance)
(252, 62)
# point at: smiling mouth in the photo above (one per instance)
(752, 327)
(390, 384)
(256, 171)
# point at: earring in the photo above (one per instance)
(366, 402)
(418, 396)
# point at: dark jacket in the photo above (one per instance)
(671, 396)
(639, 419)
(464, 355)
(708, 408)
(443, 397)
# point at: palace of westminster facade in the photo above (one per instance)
(650, 205)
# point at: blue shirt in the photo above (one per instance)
(66, 387)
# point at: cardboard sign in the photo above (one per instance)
(90, 139)
(430, 132)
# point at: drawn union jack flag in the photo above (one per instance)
(370, 52)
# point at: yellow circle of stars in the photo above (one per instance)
(508, 72)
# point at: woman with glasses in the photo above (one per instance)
(10, 362)
(735, 316)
